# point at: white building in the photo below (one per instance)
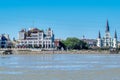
(107, 41)
(5, 41)
(35, 38)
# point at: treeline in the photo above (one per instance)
(73, 44)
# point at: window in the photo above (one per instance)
(3, 42)
(30, 41)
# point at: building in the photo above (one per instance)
(57, 43)
(5, 41)
(90, 42)
(36, 38)
(119, 44)
(107, 41)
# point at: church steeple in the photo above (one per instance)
(115, 36)
(99, 35)
(107, 27)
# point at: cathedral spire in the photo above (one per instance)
(115, 36)
(107, 27)
(99, 35)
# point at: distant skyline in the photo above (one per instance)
(67, 18)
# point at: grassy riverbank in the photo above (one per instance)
(63, 52)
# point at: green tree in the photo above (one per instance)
(74, 43)
(62, 45)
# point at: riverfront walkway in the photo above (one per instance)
(25, 50)
(16, 50)
(32, 49)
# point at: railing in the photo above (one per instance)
(3, 49)
(15, 48)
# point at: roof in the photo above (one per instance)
(35, 30)
(99, 35)
(115, 36)
(107, 27)
(3, 37)
(23, 30)
(89, 40)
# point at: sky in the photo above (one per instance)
(67, 18)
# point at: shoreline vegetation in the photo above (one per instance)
(38, 51)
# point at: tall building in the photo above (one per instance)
(107, 41)
(35, 38)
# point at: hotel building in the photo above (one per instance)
(36, 38)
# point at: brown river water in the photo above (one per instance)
(60, 67)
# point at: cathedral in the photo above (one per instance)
(107, 41)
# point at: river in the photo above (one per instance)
(60, 67)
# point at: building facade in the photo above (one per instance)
(5, 41)
(36, 38)
(107, 41)
(90, 42)
(57, 43)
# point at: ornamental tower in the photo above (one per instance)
(115, 40)
(99, 41)
(107, 32)
(107, 38)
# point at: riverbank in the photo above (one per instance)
(62, 52)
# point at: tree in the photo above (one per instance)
(74, 43)
(61, 45)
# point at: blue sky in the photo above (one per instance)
(67, 18)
